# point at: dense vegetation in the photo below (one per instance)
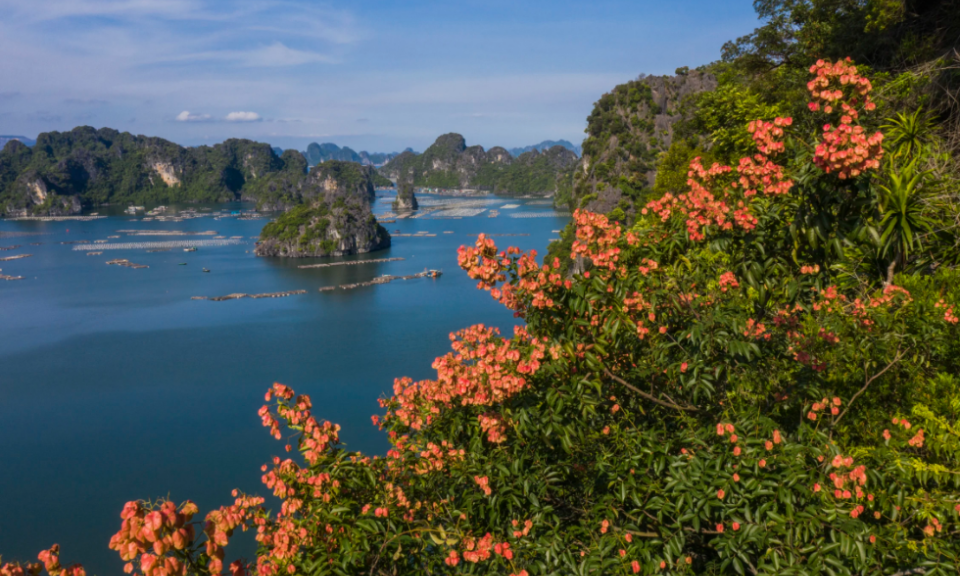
(88, 167)
(754, 372)
(329, 213)
(450, 164)
(906, 46)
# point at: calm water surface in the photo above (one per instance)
(116, 386)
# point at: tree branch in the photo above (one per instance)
(910, 571)
(897, 358)
(649, 397)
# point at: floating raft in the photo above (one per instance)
(461, 212)
(5, 248)
(149, 245)
(126, 264)
(56, 218)
(352, 263)
(5, 277)
(17, 257)
(166, 233)
(240, 295)
(385, 279)
(21, 234)
(541, 215)
(94, 253)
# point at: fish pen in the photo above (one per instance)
(126, 264)
(351, 263)
(56, 218)
(149, 245)
(241, 295)
(551, 214)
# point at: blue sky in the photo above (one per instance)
(374, 75)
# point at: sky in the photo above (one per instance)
(373, 75)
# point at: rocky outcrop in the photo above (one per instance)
(450, 164)
(406, 199)
(627, 131)
(334, 218)
(167, 172)
(94, 167)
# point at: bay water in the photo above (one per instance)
(115, 385)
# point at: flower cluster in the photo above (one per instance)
(494, 426)
(702, 206)
(51, 562)
(948, 314)
(220, 525)
(845, 149)
(148, 532)
(483, 369)
(728, 280)
(838, 83)
(484, 263)
(484, 483)
(597, 239)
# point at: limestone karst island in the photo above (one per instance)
(292, 288)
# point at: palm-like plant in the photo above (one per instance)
(908, 135)
(900, 201)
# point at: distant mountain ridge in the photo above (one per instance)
(6, 138)
(546, 145)
(450, 164)
(65, 172)
(317, 153)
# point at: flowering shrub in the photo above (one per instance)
(666, 411)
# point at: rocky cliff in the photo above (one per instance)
(449, 163)
(628, 130)
(406, 199)
(333, 217)
(85, 167)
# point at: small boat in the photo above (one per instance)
(206, 270)
(189, 249)
(183, 264)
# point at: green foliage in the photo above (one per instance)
(449, 164)
(674, 165)
(291, 224)
(106, 166)
(724, 114)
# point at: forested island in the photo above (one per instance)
(65, 172)
(448, 164)
(328, 213)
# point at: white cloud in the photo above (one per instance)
(242, 117)
(278, 54)
(186, 116)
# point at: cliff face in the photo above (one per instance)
(626, 132)
(449, 163)
(406, 199)
(333, 218)
(85, 167)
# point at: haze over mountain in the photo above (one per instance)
(450, 164)
(546, 145)
(316, 153)
(4, 139)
